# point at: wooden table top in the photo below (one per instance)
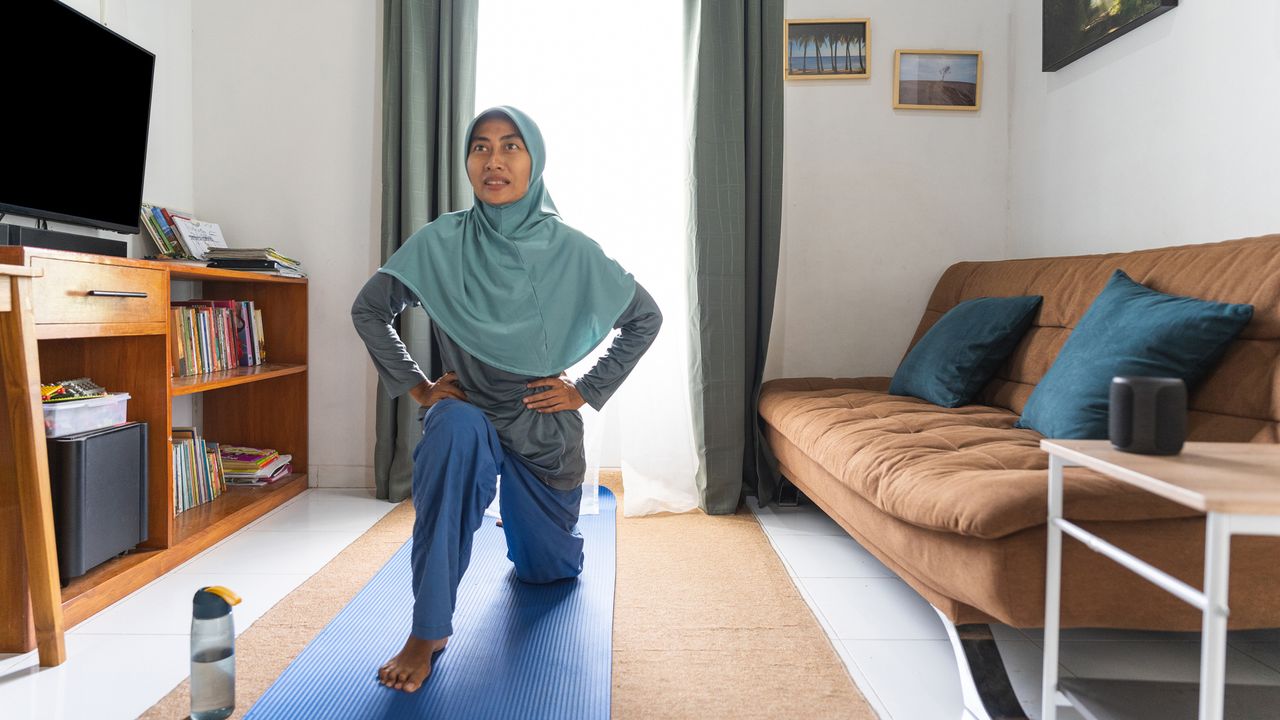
(22, 270)
(1239, 478)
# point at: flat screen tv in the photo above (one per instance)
(76, 114)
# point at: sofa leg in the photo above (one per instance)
(984, 683)
(788, 494)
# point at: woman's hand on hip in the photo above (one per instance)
(429, 393)
(561, 396)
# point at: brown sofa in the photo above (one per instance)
(953, 500)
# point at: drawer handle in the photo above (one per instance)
(116, 293)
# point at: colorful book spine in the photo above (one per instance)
(197, 470)
(215, 335)
(193, 354)
(179, 241)
(261, 339)
(157, 237)
(167, 230)
(243, 334)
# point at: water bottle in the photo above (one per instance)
(213, 654)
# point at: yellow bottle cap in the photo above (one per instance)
(224, 593)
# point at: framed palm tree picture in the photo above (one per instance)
(937, 79)
(831, 49)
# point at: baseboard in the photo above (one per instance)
(359, 476)
(341, 476)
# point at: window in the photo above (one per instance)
(604, 81)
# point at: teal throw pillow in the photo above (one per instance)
(960, 353)
(1128, 330)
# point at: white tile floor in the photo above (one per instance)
(121, 661)
(896, 647)
(125, 658)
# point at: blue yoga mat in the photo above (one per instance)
(517, 651)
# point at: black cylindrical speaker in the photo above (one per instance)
(1148, 415)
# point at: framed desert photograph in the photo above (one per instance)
(937, 79)
(1075, 28)
(829, 49)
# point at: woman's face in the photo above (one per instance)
(498, 164)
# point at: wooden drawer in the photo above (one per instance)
(81, 293)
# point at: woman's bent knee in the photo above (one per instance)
(453, 416)
(455, 431)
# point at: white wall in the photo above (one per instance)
(164, 28)
(270, 126)
(1168, 135)
(287, 137)
(877, 201)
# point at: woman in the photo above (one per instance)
(515, 296)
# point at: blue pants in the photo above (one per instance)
(455, 470)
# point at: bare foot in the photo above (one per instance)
(412, 665)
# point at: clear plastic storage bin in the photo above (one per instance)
(75, 416)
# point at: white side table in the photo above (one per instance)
(1237, 486)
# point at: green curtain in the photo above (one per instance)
(733, 55)
(428, 95)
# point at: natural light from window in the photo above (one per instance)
(604, 82)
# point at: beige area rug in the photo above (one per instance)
(707, 624)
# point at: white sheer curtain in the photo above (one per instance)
(604, 82)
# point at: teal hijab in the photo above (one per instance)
(512, 284)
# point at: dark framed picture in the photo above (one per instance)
(1075, 28)
(937, 79)
(831, 49)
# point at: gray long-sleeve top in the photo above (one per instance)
(550, 444)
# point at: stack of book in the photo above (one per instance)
(179, 236)
(254, 259)
(213, 335)
(254, 466)
(198, 475)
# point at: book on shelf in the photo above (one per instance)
(199, 237)
(214, 335)
(264, 266)
(156, 234)
(254, 466)
(238, 481)
(237, 459)
(260, 337)
(229, 253)
(277, 469)
(198, 474)
(266, 260)
(179, 236)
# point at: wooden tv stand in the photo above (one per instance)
(122, 343)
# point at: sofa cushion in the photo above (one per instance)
(1128, 330)
(1238, 401)
(959, 354)
(965, 470)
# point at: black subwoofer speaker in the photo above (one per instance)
(99, 486)
(1148, 415)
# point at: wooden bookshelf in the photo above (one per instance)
(122, 343)
(189, 384)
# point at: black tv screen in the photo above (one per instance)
(75, 118)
